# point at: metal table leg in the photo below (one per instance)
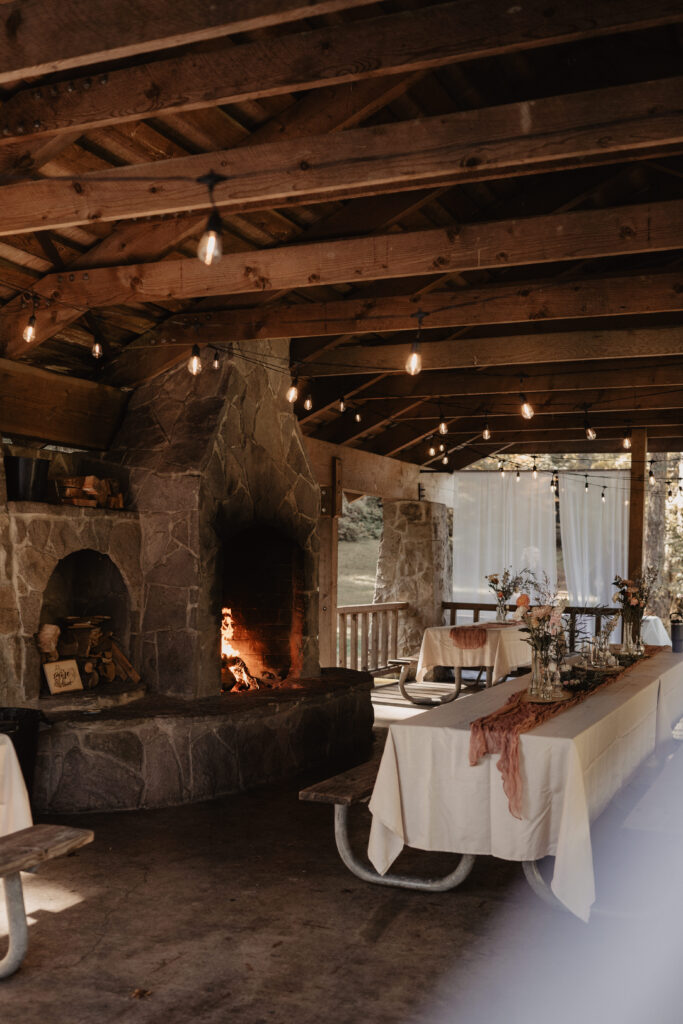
(368, 874)
(428, 701)
(18, 928)
(538, 883)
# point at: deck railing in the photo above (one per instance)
(367, 635)
(574, 612)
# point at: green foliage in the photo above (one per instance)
(361, 519)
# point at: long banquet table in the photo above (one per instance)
(428, 796)
(15, 810)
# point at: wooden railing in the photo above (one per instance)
(367, 635)
(574, 612)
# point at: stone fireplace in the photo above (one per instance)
(221, 513)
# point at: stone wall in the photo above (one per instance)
(414, 565)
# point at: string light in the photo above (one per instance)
(431, 451)
(292, 392)
(670, 492)
(308, 403)
(527, 409)
(97, 350)
(486, 433)
(585, 486)
(591, 432)
(442, 447)
(445, 460)
(651, 475)
(626, 442)
(602, 496)
(30, 329)
(215, 362)
(342, 405)
(210, 248)
(517, 477)
(358, 417)
(194, 363)
(501, 469)
(443, 426)
(414, 360)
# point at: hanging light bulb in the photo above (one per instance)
(442, 447)
(501, 468)
(445, 460)
(602, 496)
(552, 483)
(215, 362)
(651, 475)
(591, 433)
(414, 360)
(342, 405)
(30, 329)
(443, 426)
(486, 433)
(585, 486)
(517, 477)
(194, 363)
(308, 403)
(626, 443)
(527, 409)
(431, 451)
(292, 392)
(358, 417)
(670, 493)
(97, 350)
(210, 248)
(535, 471)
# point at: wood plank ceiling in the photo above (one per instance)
(506, 178)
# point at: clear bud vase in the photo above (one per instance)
(535, 687)
(501, 611)
(628, 645)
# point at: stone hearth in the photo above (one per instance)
(161, 751)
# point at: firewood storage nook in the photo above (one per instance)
(221, 512)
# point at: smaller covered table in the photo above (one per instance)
(504, 650)
(15, 810)
(653, 632)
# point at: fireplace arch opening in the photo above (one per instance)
(262, 613)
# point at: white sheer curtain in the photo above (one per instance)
(499, 522)
(594, 534)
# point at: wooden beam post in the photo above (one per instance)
(328, 529)
(636, 519)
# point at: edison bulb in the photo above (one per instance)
(414, 360)
(486, 433)
(443, 427)
(30, 329)
(97, 350)
(308, 403)
(194, 363)
(292, 393)
(210, 248)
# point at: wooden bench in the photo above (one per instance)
(355, 786)
(24, 851)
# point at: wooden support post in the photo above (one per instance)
(636, 521)
(329, 565)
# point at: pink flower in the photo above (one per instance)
(635, 601)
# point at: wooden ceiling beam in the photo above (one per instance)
(556, 237)
(56, 408)
(662, 444)
(559, 133)
(457, 384)
(503, 426)
(39, 38)
(396, 43)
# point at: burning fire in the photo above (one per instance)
(236, 675)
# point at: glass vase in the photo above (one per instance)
(628, 645)
(501, 611)
(535, 687)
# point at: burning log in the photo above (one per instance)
(235, 675)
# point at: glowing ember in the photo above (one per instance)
(234, 671)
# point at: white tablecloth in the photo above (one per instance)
(428, 796)
(652, 631)
(15, 811)
(504, 650)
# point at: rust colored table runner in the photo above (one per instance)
(471, 638)
(498, 733)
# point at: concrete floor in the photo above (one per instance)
(240, 911)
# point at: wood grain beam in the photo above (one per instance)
(38, 37)
(363, 472)
(635, 374)
(56, 408)
(396, 43)
(567, 236)
(562, 132)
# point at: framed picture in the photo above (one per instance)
(62, 676)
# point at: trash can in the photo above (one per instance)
(26, 478)
(677, 637)
(22, 725)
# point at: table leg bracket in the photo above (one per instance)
(368, 874)
(18, 928)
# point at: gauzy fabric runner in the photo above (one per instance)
(498, 733)
(468, 638)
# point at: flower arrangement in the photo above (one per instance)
(507, 583)
(633, 595)
(544, 625)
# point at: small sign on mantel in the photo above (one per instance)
(62, 676)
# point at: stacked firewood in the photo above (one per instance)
(89, 492)
(91, 643)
